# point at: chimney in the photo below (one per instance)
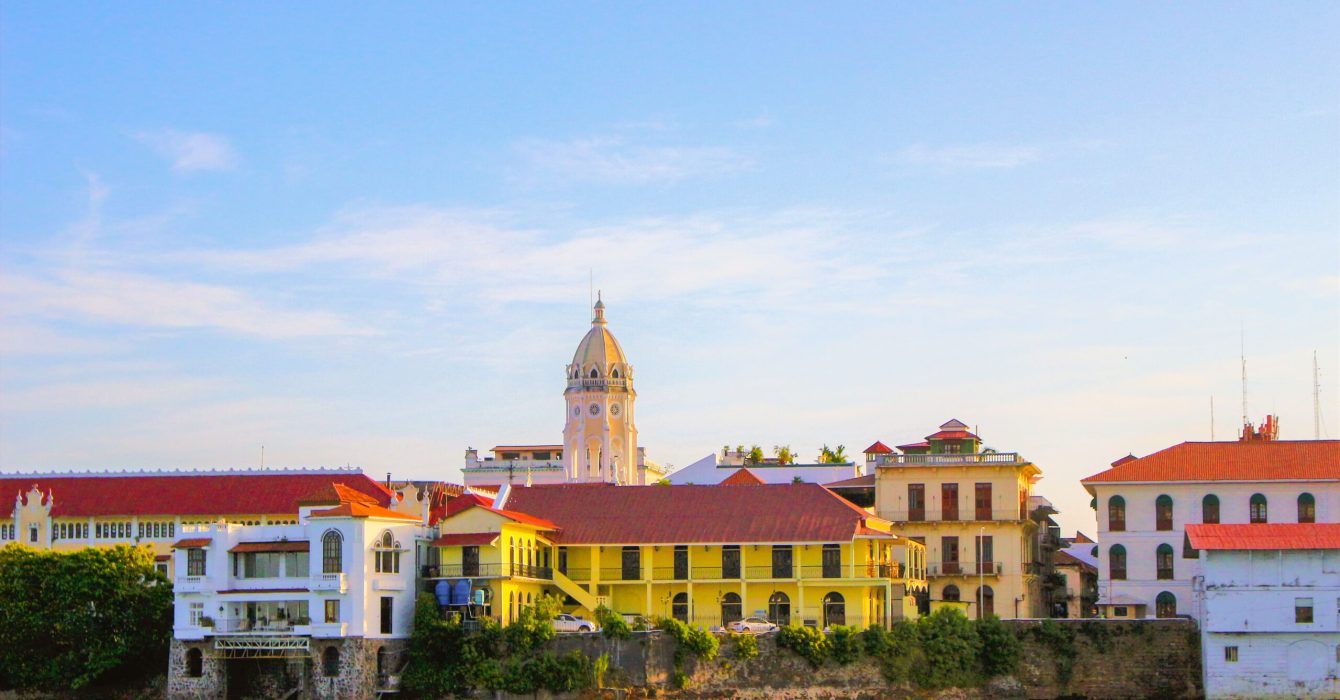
(1268, 432)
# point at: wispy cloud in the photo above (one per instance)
(146, 301)
(970, 157)
(191, 151)
(615, 160)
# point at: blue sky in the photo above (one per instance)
(365, 236)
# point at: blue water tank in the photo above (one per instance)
(460, 593)
(443, 592)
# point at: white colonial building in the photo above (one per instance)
(599, 435)
(1144, 505)
(322, 607)
(1271, 600)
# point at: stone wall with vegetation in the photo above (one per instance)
(943, 655)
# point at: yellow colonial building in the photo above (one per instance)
(971, 510)
(707, 555)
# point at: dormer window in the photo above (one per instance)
(615, 374)
(387, 554)
(594, 373)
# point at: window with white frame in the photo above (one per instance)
(197, 611)
(387, 554)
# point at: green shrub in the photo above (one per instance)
(1101, 634)
(679, 680)
(806, 642)
(612, 624)
(950, 649)
(746, 646)
(692, 640)
(844, 644)
(1000, 649)
(599, 669)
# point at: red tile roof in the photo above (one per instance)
(1276, 460)
(289, 546)
(192, 543)
(1265, 536)
(332, 494)
(742, 476)
(465, 538)
(605, 514)
(913, 445)
(878, 448)
(952, 435)
(186, 493)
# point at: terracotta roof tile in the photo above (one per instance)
(361, 510)
(1264, 536)
(185, 493)
(192, 542)
(1273, 460)
(605, 514)
(878, 448)
(742, 476)
(867, 481)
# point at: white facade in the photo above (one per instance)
(1255, 645)
(1141, 538)
(287, 592)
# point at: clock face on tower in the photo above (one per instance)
(614, 409)
(594, 409)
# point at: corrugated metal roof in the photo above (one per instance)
(1264, 536)
(1273, 460)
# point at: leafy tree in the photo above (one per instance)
(70, 619)
(951, 647)
(1000, 648)
(755, 455)
(784, 454)
(837, 455)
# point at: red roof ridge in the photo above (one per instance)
(742, 477)
(878, 448)
(1274, 460)
(1218, 536)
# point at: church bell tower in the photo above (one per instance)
(599, 437)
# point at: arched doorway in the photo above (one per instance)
(679, 607)
(731, 608)
(779, 609)
(986, 602)
(1165, 605)
(835, 609)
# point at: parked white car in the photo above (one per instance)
(572, 623)
(752, 625)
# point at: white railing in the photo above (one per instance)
(190, 584)
(328, 582)
(597, 382)
(518, 466)
(956, 459)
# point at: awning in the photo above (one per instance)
(193, 542)
(162, 557)
(289, 546)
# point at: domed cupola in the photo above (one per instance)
(599, 360)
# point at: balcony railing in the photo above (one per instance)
(936, 516)
(964, 568)
(492, 570)
(596, 382)
(710, 573)
(620, 573)
(328, 582)
(245, 626)
(939, 459)
(189, 584)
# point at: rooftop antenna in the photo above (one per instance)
(1316, 398)
(1242, 340)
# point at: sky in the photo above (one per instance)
(367, 235)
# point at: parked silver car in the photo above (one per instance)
(571, 623)
(752, 625)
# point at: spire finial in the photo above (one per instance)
(599, 310)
